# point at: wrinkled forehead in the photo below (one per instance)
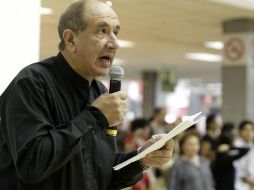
(96, 12)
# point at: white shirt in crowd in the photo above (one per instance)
(242, 166)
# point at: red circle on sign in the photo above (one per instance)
(234, 49)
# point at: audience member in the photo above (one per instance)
(209, 139)
(222, 167)
(245, 139)
(190, 171)
(157, 123)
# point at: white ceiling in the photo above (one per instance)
(163, 31)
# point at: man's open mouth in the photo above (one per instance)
(108, 58)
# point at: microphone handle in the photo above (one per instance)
(115, 86)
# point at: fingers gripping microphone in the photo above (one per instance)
(116, 74)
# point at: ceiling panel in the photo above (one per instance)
(163, 30)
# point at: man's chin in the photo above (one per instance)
(102, 72)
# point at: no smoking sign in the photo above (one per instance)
(234, 49)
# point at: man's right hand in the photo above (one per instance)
(113, 106)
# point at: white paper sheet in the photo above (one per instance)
(188, 121)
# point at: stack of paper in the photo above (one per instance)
(187, 122)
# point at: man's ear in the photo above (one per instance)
(68, 36)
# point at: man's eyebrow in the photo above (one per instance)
(102, 24)
(105, 24)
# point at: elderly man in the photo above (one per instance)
(54, 113)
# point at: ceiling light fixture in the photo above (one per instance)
(118, 61)
(46, 11)
(214, 45)
(126, 44)
(208, 57)
(109, 3)
(246, 4)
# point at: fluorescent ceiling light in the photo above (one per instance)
(208, 57)
(214, 45)
(109, 3)
(46, 11)
(118, 61)
(126, 44)
(170, 118)
(246, 4)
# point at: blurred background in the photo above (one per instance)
(180, 57)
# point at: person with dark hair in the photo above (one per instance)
(54, 114)
(157, 121)
(190, 171)
(222, 167)
(246, 134)
(245, 139)
(209, 139)
(158, 126)
(137, 134)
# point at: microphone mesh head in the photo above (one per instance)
(116, 72)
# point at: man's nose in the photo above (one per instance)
(112, 42)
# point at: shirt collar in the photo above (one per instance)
(72, 75)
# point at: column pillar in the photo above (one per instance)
(149, 92)
(238, 70)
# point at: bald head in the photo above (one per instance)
(95, 8)
(77, 15)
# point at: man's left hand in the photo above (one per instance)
(159, 157)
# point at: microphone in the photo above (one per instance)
(116, 74)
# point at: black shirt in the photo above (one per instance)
(50, 136)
